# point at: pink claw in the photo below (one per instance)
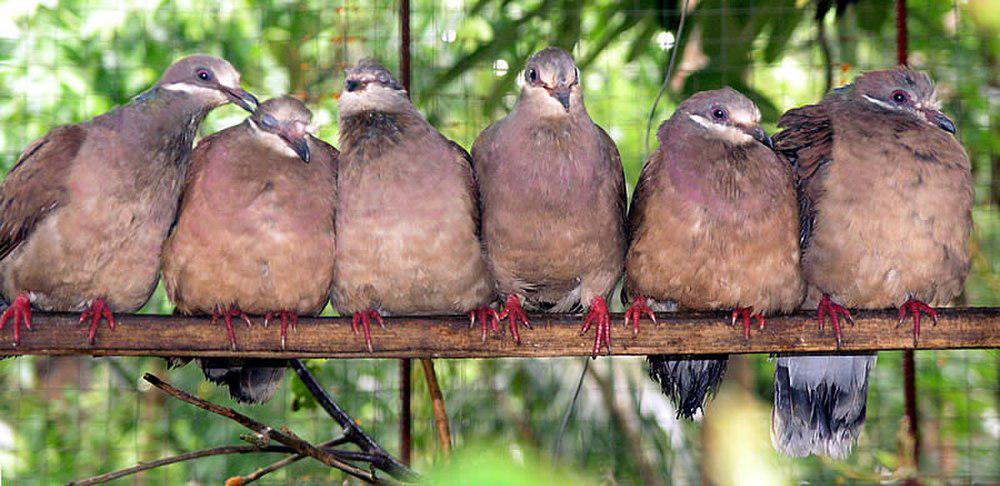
(286, 317)
(600, 315)
(915, 308)
(20, 312)
(98, 309)
(747, 313)
(227, 315)
(365, 317)
(489, 318)
(828, 308)
(515, 313)
(636, 311)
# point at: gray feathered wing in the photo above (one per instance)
(820, 402)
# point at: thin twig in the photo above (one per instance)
(292, 459)
(187, 456)
(284, 437)
(437, 403)
(380, 458)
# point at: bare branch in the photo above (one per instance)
(381, 459)
(437, 401)
(285, 437)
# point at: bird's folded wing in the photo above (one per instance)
(36, 185)
(471, 184)
(806, 141)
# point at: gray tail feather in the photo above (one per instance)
(248, 380)
(687, 381)
(820, 403)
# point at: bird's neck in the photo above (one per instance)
(375, 127)
(166, 120)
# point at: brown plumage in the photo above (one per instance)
(86, 209)
(713, 225)
(407, 214)
(553, 198)
(886, 196)
(255, 233)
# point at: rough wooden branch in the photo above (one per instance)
(285, 437)
(377, 456)
(450, 337)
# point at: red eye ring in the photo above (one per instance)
(203, 74)
(900, 96)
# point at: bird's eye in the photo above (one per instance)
(900, 96)
(719, 114)
(203, 74)
(269, 121)
(532, 75)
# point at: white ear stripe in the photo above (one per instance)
(187, 88)
(879, 103)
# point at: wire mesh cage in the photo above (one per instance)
(64, 418)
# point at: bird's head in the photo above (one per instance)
(209, 80)
(285, 125)
(552, 82)
(903, 90)
(371, 87)
(724, 114)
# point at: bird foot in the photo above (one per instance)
(915, 308)
(227, 315)
(635, 313)
(365, 319)
(513, 310)
(746, 313)
(98, 310)
(489, 318)
(828, 308)
(600, 315)
(20, 312)
(286, 317)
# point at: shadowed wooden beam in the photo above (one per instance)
(451, 337)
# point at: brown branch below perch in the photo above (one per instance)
(287, 438)
(450, 337)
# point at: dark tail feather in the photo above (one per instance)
(820, 403)
(687, 381)
(248, 380)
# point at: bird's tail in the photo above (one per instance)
(820, 404)
(248, 380)
(687, 381)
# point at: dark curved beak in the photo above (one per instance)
(299, 144)
(243, 98)
(938, 119)
(759, 135)
(561, 94)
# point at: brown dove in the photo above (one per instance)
(886, 195)
(553, 200)
(407, 212)
(255, 233)
(713, 225)
(84, 212)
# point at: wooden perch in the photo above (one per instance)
(451, 337)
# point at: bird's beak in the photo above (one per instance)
(243, 98)
(759, 135)
(298, 143)
(561, 94)
(938, 119)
